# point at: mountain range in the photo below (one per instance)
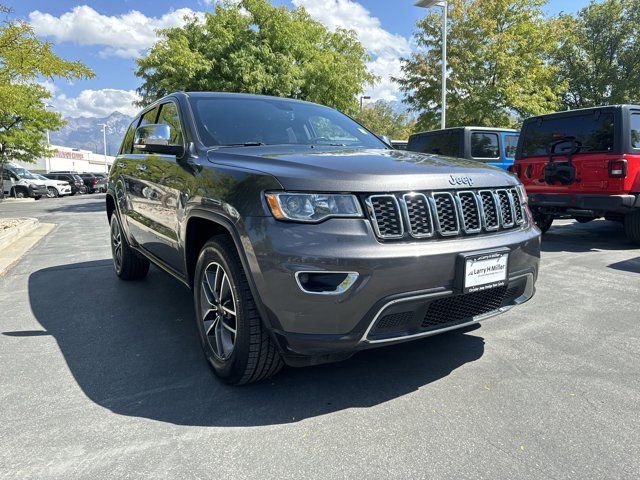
(86, 132)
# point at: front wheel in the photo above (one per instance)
(632, 226)
(543, 221)
(235, 342)
(128, 264)
(19, 193)
(52, 192)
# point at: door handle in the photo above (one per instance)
(120, 164)
(142, 167)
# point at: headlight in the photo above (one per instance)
(312, 207)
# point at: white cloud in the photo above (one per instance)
(385, 47)
(97, 103)
(126, 35)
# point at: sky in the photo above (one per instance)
(108, 35)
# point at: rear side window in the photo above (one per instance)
(510, 145)
(169, 116)
(484, 145)
(444, 143)
(593, 132)
(635, 130)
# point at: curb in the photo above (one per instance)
(14, 251)
(13, 234)
(17, 200)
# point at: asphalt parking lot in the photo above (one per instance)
(105, 379)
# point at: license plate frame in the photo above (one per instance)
(491, 270)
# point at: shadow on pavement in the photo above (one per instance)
(632, 265)
(74, 205)
(586, 237)
(132, 348)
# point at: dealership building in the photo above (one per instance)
(73, 159)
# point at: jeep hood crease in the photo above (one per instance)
(358, 170)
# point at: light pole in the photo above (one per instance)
(47, 162)
(364, 97)
(444, 5)
(104, 141)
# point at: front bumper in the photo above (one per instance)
(410, 275)
(38, 191)
(561, 202)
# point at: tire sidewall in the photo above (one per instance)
(232, 368)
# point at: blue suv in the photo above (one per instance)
(495, 146)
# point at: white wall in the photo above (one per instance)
(65, 158)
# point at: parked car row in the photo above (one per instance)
(582, 164)
(19, 182)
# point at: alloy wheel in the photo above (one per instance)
(116, 244)
(218, 309)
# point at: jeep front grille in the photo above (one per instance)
(385, 214)
(451, 213)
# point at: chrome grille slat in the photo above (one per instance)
(490, 210)
(506, 208)
(420, 215)
(470, 216)
(517, 204)
(385, 213)
(446, 211)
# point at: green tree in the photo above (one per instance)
(599, 54)
(253, 47)
(498, 53)
(24, 120)
(382, 120)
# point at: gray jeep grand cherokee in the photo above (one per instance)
(304, 237)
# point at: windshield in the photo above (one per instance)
(23, 173)
(592, 131)
(266, 121)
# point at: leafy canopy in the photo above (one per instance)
(599, 54)
(24, 120)
(498, 53)
(253, 47)
(382, 120)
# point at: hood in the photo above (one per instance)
(334, 169)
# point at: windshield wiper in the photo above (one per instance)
(245, 144)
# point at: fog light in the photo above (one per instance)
(325, 283)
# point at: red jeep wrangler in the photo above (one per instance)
(583, 164)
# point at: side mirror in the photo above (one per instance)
(385, 139)
(156, 139)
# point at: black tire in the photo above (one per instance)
(632, 226)
(19, 193)
(129, 265)
(53, 193)
(253, 355)
(584, 219)
(543, 221)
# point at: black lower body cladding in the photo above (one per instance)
(402, 290)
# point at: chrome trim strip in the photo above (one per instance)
(464, 224)
(406, 211)
(528, 293)
(455, 212)
(497, 194)
(495, 206)
(351, 276)
(512, 192)
(374, 219)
